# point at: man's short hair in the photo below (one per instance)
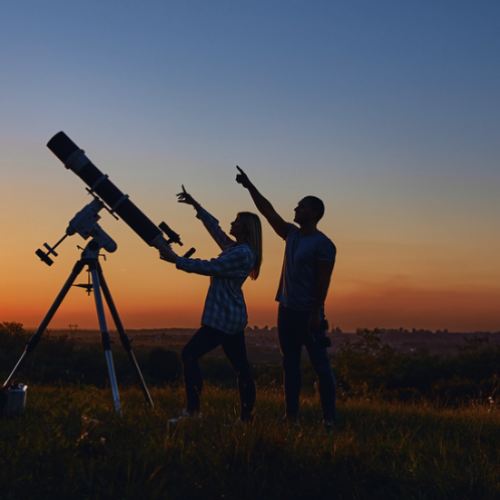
(316, 204)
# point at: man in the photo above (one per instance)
(307, 267)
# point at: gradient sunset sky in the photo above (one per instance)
(389, 111)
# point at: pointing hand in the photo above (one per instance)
(242, 178)
(185, 197)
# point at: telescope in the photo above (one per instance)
(85, 223)
(104, 190)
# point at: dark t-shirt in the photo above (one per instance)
(299, 276)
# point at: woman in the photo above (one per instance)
(225, 315)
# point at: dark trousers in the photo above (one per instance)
(292, 333)
(205, 340)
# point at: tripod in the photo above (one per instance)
(89, 257)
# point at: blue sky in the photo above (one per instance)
(388, 110)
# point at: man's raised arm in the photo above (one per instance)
(262, 204)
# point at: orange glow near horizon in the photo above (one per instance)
(395, 279)
(391, 308)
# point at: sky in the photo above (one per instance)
(389, 111)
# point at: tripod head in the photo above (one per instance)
(85, 224)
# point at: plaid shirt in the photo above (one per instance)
(225, 307)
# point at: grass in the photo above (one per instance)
(70, 444)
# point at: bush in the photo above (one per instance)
(12, 337)
(367, 366)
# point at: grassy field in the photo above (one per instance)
(70, 444)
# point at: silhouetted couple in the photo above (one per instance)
(307, 267)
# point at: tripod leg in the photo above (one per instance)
(123, 336)
(106, 344)
(32, 343)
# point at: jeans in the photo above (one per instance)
(205, 340)
(292, 333)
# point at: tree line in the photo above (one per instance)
(364, 366)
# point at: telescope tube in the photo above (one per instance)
(74, 159)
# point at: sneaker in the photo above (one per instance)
(185, 415)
